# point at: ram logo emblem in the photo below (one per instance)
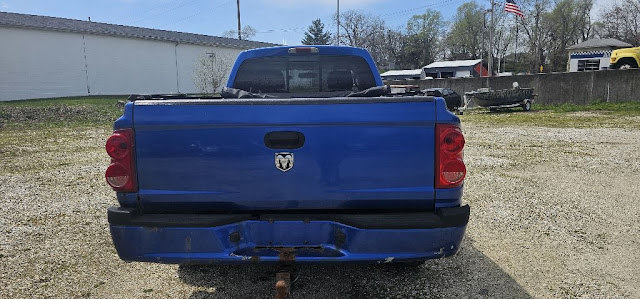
(284, 161)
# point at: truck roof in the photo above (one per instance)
(284, 50)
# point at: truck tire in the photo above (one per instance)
(625, 64)
(526, 106)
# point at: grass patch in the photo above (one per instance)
(102, 111)
(61, 112)
(623, 108)
(595, 115)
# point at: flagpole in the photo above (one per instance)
(512, 7)
(491, 26)
(515, 49)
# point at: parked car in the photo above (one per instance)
(453, 99)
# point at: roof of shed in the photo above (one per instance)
(454, 63)
(402, 73)
(600, 43)
(8, 19)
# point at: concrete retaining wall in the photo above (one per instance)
(554, 88)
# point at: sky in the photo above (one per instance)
(277, 21)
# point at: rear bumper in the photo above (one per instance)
(383, 237)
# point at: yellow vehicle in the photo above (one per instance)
(627, 58)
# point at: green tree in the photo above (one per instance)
(465, 40)
(423, 42)
(316, 35)
(569, 23)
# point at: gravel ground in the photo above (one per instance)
(554, 214)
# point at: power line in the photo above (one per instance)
(292, 29)
(407, 10)
(171, 9)
(395, 15)
(159, 8)
(403, 12)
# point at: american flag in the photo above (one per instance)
(512, 7)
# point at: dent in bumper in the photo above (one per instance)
(265, 241)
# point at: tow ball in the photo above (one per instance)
(283, 274)
(283, 283)
(286, 261)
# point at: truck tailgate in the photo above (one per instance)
(358, 154)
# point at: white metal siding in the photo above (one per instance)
(42, 64)
(135, 66)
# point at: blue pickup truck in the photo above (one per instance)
(305, 157)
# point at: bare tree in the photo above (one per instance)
(621, 21)
(363, 31)
(393, 44)
(248, 32)
(211, 71)
(536, 31)
(505, 35)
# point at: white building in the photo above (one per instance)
(593, 54)
(42, 57)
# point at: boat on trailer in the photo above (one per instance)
(504, 98)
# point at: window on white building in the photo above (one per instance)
(588, 65)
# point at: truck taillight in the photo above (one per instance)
(121, 174)
(303, 50)
(450, 169)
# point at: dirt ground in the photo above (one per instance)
(554, 214)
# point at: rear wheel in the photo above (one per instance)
(526, 106)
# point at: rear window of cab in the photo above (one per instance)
(304, 74)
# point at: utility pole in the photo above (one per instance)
(491, 27)
(338, 18)
(239, 30)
